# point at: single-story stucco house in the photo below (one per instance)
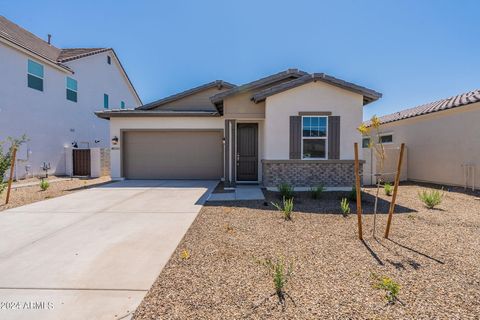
(442, 138)
(291, 127)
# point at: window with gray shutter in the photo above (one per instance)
(333, 137)
(295, 137)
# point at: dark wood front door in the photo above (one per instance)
(247, 152)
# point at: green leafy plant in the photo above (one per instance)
(286, 208)
(345, 206)
(431, 198)
(280, 271)
(6, 157)
(286, 190)
(388, 188)
(317, 191)
(3, 185)
(44, 184)
(391, 288)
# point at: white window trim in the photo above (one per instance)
(315, 138)
(66, 87)
(34, 75)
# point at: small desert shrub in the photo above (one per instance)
(352, 195)
(185, 255)
(3, 186)
(286, 208)
(391, 288)
(345, 206)
(286, 190)
(388, 188)
(44, 185)
(431, 198)
(316, 192)
(280, 272)
(229, 228)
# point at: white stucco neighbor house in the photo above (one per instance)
(291, 127)
(442, 139)
(50, 95)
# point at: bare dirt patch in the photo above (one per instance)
(24, 195)
(433, 254)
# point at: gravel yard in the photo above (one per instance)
(23, 195)
(433, 254)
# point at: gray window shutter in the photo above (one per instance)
(295, 137)
(333, 137)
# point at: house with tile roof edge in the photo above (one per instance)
(50, 94)
(442, 140)
(290, 127)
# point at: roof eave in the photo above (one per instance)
(18, 46)
(137, 113)
(368, 94)
(161, 102)
(218, 98)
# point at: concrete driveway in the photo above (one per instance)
(93, 254)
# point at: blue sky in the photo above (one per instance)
(411, 51)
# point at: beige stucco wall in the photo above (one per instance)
(154, 123)
(315, 96)
(240, 106)
(440, 143)
(372, 164)
(197, 101)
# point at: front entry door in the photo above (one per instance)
(247, 152)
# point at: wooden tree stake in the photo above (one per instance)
(395, 188)
(358, 190)
(12, 168)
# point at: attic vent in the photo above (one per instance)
(109, 60)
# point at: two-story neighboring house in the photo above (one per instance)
(50, 94)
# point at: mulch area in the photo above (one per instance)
(26, 195)
(433, 254)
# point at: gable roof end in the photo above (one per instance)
(432, 107)
(24, 40)
(368, 94)
(217, 83)
(290, 73)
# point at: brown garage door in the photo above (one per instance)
(172, 154)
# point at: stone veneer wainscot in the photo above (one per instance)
(309, 173)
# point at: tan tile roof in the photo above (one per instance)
(440, 105)
(77, 53)
(27, 40)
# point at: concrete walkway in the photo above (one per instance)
(241, 192)
(93, 254)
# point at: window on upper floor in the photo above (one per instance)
(72, 89)
(109, 60)
(35, 75)
(314, 137)
(122, 104)
(105, 101)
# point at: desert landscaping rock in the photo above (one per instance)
(432, 254)
(58, 187)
